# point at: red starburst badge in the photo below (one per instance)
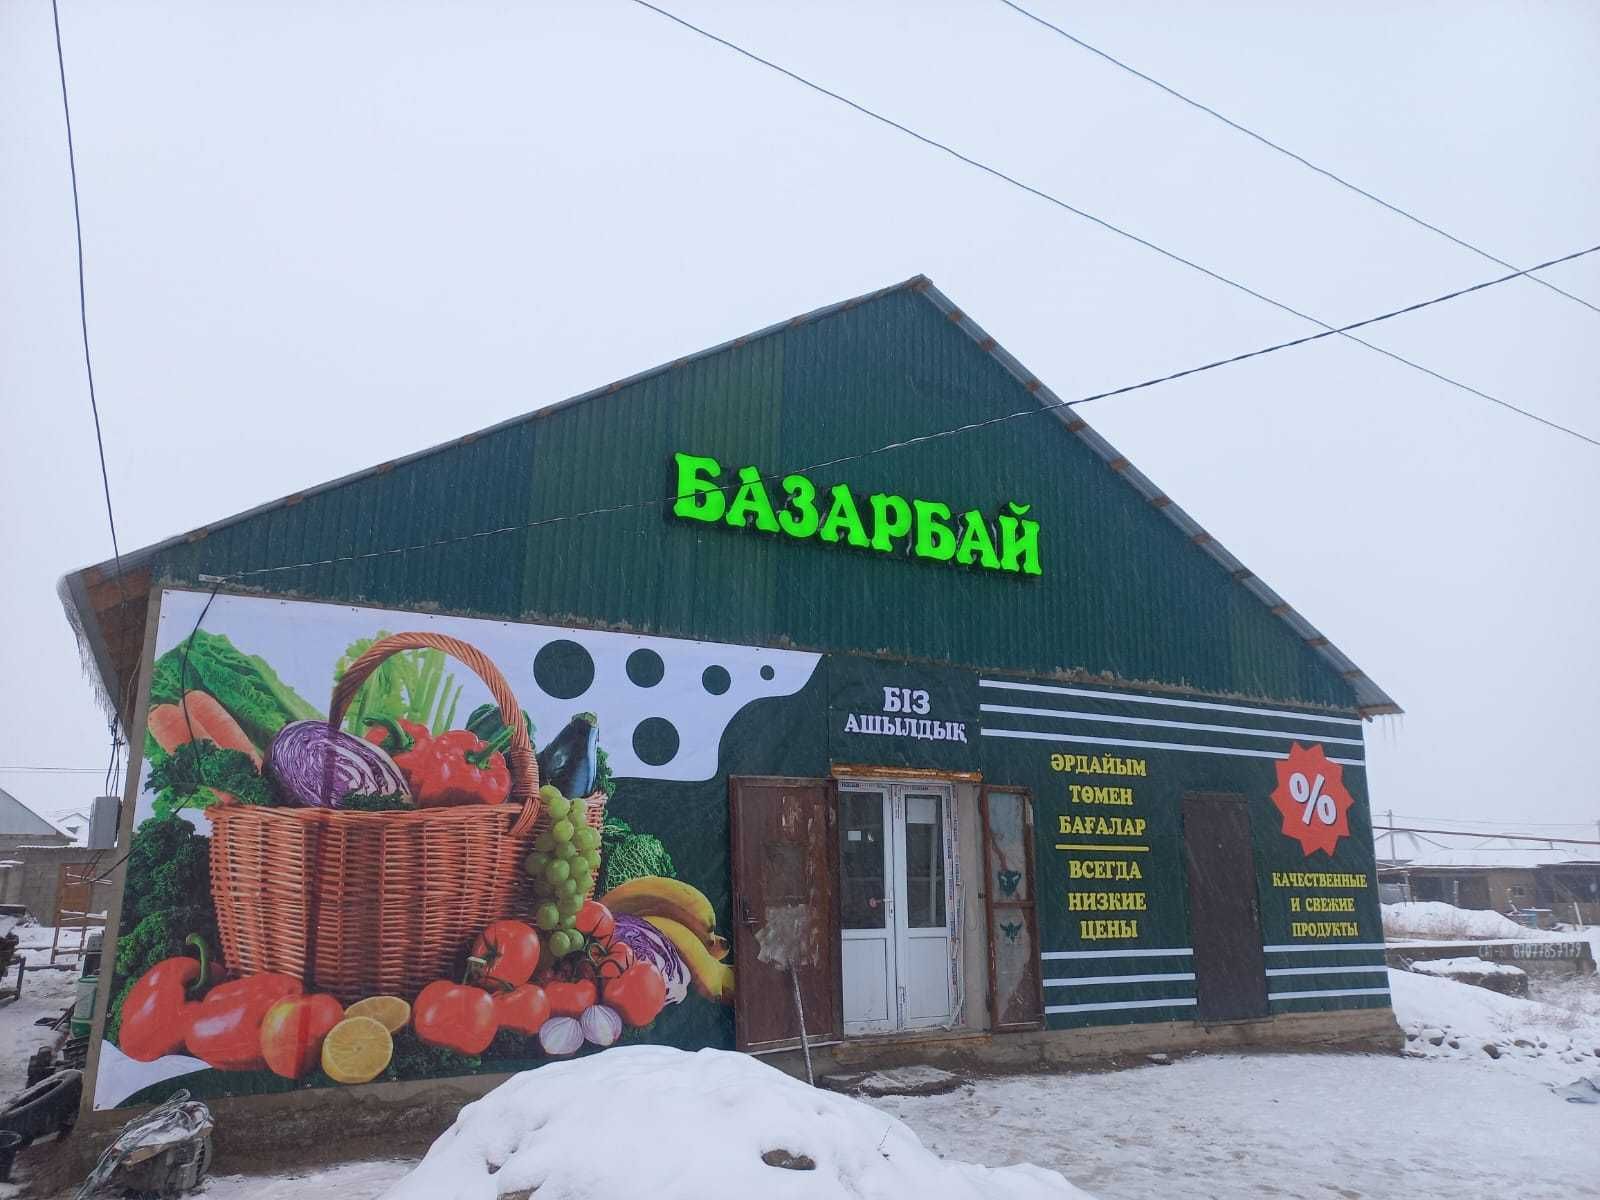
(1311, 796)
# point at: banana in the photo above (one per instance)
(655, 896)
(711, 979)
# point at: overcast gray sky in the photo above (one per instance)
(323, 235)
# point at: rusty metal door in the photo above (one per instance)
(784, 881)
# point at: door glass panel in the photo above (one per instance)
(924, 862)
(1016, 961)
(862, 886)
(1008, 852)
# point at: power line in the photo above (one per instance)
(918, 439)
(1100, 221)
(88, 365)
(52, 770)
(1286, 152)
(83, 300)
(1505, 837)
(1492, 821)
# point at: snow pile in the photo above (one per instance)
(1445, 1019)
(653, 1121)
(1433, 920)
(1448, 967)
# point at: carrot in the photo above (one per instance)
(167, 726)
(213, 721)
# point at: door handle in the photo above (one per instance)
(745, 915)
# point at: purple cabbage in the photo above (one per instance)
(650, 945)
(312, 764)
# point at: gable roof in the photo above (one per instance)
(108, 612)
(18, 820)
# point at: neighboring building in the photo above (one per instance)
(984, 736)
(21, 826)
(76, 826)
(1561, 881)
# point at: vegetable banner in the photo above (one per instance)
(507, 845)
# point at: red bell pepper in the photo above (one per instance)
(155, 1015)
(406, 741)
(224, 1029)
(458, 767)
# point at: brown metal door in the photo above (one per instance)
(1224, 917)
(784, 892)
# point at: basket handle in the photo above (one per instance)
(520, 759)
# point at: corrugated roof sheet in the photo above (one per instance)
(112, 634)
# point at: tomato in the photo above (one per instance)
(522, 1010)
(595, 919)
(511, 948)
(611, 959)
(638, 994)
(292, 1033)
(455, 1016)
(225, 1027)
(570, 999)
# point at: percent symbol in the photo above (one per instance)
(1310, 793)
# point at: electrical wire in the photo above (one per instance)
(1286, 152)
(1101, 221)
(1515, 824)
(1385, 831)
(88, 369)
(911, 441)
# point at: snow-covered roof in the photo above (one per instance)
(17, 819)
(1469, 850)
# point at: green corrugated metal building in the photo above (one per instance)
(1127, 785)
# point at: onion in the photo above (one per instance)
(561, 1035)
(601, 1024)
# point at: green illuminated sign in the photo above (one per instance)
(883, 522)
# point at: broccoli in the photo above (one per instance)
(602, 773)
(167, 897)
(193, 774)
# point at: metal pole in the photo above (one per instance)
(805, 1040)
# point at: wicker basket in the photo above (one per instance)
(361, 904)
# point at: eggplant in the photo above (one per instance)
(568, 763)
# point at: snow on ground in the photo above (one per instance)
(1308, 1126)
(45, 993)
(650, 1120)
(1468, 965)
(1546, 1042)
(347, 1181)
(1433, 920)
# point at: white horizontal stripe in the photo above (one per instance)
(1325, 946)
(1107, 1007)
(1178, 952)
(1098, 741)
(1383, 991)
(1096, 980)
(1093, 695)
(1114, 720)
(1373, 969)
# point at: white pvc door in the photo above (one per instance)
(894, 918)
(921, 922)
(866, 907)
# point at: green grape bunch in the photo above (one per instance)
(561, 870)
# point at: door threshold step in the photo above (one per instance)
(906, 1037)
(894, 1081)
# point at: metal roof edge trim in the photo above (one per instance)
(135, 558)
(1371, 700)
